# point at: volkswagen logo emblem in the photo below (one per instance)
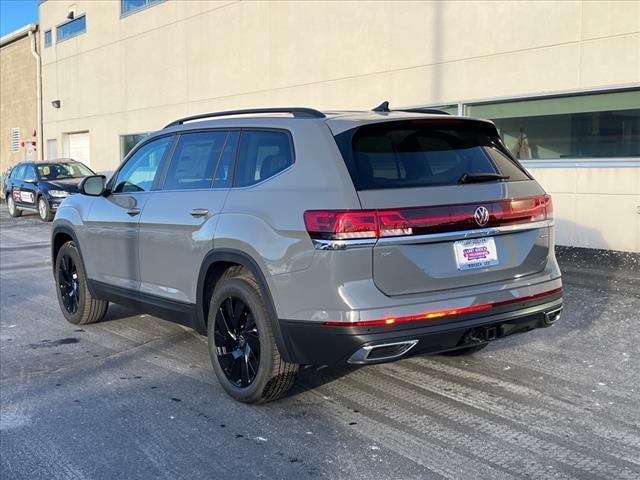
(482, 216)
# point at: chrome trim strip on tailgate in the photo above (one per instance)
(429, 238)
(461, 235)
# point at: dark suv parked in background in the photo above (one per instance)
(293, 236)
(42, 186)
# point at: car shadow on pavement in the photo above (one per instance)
(118, 312)
(310, 377)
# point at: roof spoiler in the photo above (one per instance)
(384, 107)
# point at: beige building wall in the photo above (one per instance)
(18, 97)
(136, 73)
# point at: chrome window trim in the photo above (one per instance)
(334, 245)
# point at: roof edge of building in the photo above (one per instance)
(18, 34)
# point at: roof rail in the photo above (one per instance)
(297, 112)
(434, 111)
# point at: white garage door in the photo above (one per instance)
(78, 147)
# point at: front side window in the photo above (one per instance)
(72, 28)
(194, 161)
(139, 173)
(132, 6)
(262, 154)
(603, 125)
(423, 153)
(29, 173)
(47, 38)
(61, 171)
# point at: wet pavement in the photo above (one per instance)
(135, 397)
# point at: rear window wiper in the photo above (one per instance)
(481, 177)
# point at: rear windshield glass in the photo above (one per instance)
(421, 153)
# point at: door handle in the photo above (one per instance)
(132, 212)
(199, 212)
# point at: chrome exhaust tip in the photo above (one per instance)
(381, 352)
(552, 316)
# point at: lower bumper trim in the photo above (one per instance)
(312, 343)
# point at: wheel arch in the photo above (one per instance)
(61, 234)
(213, 265)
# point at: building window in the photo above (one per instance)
(603, 125)
(132, 6)
(47, 38)
(15, 139)
(72, 28)
(127, 142)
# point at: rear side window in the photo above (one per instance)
(194, 161)
(422, 153)
(262, 154)
(18, 172)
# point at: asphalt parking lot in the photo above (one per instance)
(135, 397)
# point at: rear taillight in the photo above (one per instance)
(360, 224)
(341, 225)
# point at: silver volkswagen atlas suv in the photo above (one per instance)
(290, 237)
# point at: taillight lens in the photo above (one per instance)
(360, 224)
(341, 225)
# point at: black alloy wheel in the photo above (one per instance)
(237, 342)
(68, 284)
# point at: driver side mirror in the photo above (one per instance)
(93, 185)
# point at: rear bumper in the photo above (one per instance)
(316, 344)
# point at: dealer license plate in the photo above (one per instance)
(475, 253)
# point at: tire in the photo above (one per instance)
(11, 206)
(71, 288)
(44, 212)
(246, 376)
(464, 351)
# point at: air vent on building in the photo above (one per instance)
(15, 139)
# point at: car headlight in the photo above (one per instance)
(58, 193)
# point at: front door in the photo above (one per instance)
(110, 246)
(179, 220)
(27, 197)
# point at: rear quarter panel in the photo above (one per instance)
(266, 221)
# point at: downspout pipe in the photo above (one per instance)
(40, 133)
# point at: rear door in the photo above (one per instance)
(179, 220)
(446, 218)
(14, 181)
